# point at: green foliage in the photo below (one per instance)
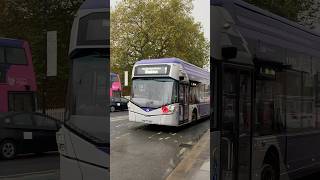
(142, 29)
(29, 20)
(301, 11)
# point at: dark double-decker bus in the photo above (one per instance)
(265, 109)
(83, 139)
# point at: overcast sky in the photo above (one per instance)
(201, 13)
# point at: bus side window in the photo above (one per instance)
(181, 93)
(175, 98)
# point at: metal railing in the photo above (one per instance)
(57, 113)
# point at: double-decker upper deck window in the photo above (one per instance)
(94, 29)
(15, 56)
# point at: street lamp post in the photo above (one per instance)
(44, 78)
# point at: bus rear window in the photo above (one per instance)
(16, 56)
(21, 102)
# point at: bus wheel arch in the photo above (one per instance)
(270, 169)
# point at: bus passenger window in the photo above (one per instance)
(16, 56)
(270, 102)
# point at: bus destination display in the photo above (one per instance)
(152, 70)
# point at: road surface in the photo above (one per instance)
(29, 164)
(144, 152)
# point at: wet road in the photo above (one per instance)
(29, 164)
(144, 152)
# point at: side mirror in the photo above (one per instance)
(229, 52)
(181, 78)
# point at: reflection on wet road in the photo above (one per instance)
(140, 151)
(29, 164)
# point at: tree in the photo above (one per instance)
(310, 17)
(142, 29)
(28, 20)
(304, 12)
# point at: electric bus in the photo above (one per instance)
(17, 77)
(83, 140)
(168, 91)
(265, 112)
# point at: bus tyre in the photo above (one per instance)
(8, 149)
(268, 172)
(112, 109)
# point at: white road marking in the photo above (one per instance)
(31, 173)
(153, 135)
(182, 150)
(119, 118)
(126, 134)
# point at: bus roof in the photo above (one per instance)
(270, 37)
(11, 42)
(194, 72)
(95, 4)
(261, 12)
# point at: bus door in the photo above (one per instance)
(183, 103)
(235, 138)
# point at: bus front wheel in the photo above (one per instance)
(268, 172)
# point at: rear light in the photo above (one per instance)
(165, 109)
(169, 108)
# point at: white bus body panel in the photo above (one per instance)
(76, 154)
(136, 114)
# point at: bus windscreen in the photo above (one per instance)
(94, 29)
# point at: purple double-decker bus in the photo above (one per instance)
(17, 76)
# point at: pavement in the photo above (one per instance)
(196, 163)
